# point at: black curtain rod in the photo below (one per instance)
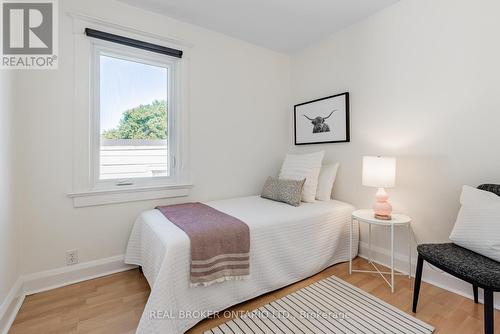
(133, 43)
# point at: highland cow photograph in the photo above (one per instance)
(322, 121)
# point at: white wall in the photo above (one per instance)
(239, 99)
(9, 231)
(424, 79)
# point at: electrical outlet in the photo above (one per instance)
(71, 257)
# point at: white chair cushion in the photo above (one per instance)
(478, 223)
(303, 166)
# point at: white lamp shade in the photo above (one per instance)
(379, 172)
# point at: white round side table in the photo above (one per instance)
(366, 216)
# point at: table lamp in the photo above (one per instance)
(380, 172)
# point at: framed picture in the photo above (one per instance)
(322, 121)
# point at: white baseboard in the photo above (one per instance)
(430, 274)
(55, 278)
(10, 306)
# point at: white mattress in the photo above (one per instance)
(287, 244)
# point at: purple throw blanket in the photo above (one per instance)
(220, 243)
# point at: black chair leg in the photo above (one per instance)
(488, 311)
(418, 280)
(474, 288)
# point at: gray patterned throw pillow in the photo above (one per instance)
(283, 190)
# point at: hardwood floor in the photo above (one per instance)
(114, 304)
(111, 304)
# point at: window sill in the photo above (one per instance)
(103, 197)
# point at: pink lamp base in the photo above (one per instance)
(382, 208)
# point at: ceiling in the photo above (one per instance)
(281, 25)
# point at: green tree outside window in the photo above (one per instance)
(143, 122)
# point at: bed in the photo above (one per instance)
(288, 244)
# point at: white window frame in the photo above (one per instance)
(102, 48)
(88, 189)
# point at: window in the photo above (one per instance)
(133, 108)
(131, 132)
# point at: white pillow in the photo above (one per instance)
(325, 182)
(478, 223)
(303, 166)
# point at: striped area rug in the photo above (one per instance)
(328, 306)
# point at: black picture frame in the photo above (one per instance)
(347, 120)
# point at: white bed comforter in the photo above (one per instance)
(287, 244)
